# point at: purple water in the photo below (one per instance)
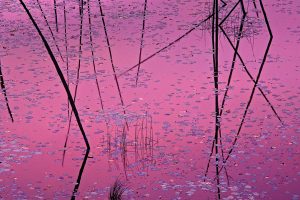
(160, 147)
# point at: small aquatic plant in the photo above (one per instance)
(117, 190)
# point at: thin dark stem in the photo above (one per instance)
(142, 42)
(60, 74)
(255, 7)
(251, 77)
(168, 45)
(123, 146)
(4, 93)
(93, 55)
(67, 51)
(211, 153)
(78, 71)
(213, 46)
(111, 58)
(51, 32)
(224, 3)
(77, 184)
(209, 159)
(215, 40)
(81, 7)
(229, 13)
(222, 153)
(55, 14)
(214, 63)
(256, 81)
(234, 55)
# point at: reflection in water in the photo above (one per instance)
(215, 48)
(66, 50)
(142, 42)
(78, 69)
(218, 113)
(201, 23)
(72, 102)
(55, 15)
(60, 74)
(93, 54)
(50, 30)
(134, 145)
(129, 136)
(256, 80)
(77, 184)
(4, 92)
(111, 58)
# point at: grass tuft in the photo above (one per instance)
(117, 190)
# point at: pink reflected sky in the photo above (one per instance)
(175, 90)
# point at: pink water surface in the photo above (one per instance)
(175, 90)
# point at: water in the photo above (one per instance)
(158, 143)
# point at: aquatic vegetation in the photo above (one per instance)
(116, 191)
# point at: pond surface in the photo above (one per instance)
(164, 112)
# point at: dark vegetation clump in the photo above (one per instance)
(117, 190)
